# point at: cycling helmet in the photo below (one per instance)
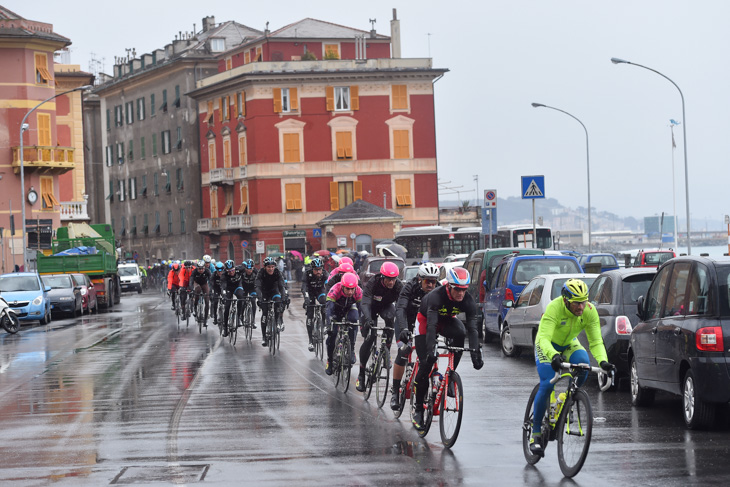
(248, 263)
(389, 269)
(349, 280)
(175, 266)
(206, 259)
(188, 263)
(428, 271)
(344, 268)
(230, 264)
(317, 263)
(458, 277)
(219, 266)
(575, 291)
(269, 261)
(347, 260)
(212, 261)
(201, 263)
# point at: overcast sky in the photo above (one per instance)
(503, 55)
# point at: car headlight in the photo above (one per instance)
(66, 298)
(83, 291)
(37, 300)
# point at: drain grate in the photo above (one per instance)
(175, 474)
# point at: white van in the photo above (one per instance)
(130, 277)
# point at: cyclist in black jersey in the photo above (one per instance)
(232, 285)
(199, 284)
(313, 288)
(216, 282)
(270, 287)
(248, 283)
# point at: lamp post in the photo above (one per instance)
(588, 166)
(23, 127)
(615, 60)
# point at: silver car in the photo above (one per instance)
(523, 318)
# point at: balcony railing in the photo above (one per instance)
(223, 175)
(74, 211)
(242, 172)
(211, 225)
(238, 222)
(55, 159)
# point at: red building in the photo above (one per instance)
(301, 122)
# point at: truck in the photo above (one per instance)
(85, 249)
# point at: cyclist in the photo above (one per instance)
(437, 316)
(406, 310)
(343, 303)
(172, 285)
(232, 284)
(248, 283)
(216, 281)
(183, 280)
(199, 284)
(337, 274)
(313, 287)
(556, 342)
(269, 287)
(378, 299)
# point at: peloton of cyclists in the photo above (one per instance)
(270, 287)
(343, 302)
(313, 288)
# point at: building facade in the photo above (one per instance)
(150, 143)
(301, 122)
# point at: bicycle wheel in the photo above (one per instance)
(335, 363)
(199, 316)
(574, 429)
(527, 429)
(233, 332)
(248, 320)
(370, 372)
(402, 391)
(270, 326)
(317, 336)
(345, 365)
(382, 377)
(451, 409)
(277, 331)
(188, 311)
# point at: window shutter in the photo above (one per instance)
(243, 104)
(226, 153)
(357, 190)
(400, 97)
(354, 98)
(213, 203)
(334, 196)
(244, 200)
(228, 108)
(277, 100)
(400, 144)
(293, 99)
(330, 96)
(242, 151)
(221, 104)
(211, 155)
(44, 129)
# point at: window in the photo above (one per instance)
(331, 51)
(226, 152)
(130, 151)
(241, 104)
(152, 105)
(48, 199)
(401, 134)
(124, 227)
(525, 295)
(293, 197)
(228, 195)
(401, 147)
(118, 116)
(133, 188)
(342, 98)
(285, 100)
(154, 145)
(211, 155)
(109, 155)
(145, 227)
(403, 192)
(217, 45)
(229, 63)
(242, 161)
(165, 137)
(213, 202)
(537, 293)
(141, 148)
(399, 97)
(110, 196)
(122, 190)
(168, 184)
(156, 184)
(291, 148)
(44, 129)
(225, 108)
(677, 290)
(178, 144)
(344, 193)
(42, 75)
(179, 177)
(177, 96)
(108, 119)
(157, 222)
(120, 153)
(129, 110)
(259, 54)
(140, 108)
(344, 145)
(182, 220)
(246, 57)
(700, 296)
(144, 185)
(244, 200)
(163, 106)
(656, 293)
(169, 222)
(133, 230)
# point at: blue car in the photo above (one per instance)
(27, 296)
(608, 261)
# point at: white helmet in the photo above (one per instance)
(206, 258)
(428, 270)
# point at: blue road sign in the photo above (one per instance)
(244, 243)
(316, 233)
(533, 187)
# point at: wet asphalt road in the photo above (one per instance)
(125, 397)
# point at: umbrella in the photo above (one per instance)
(391, 249)
(323, 253)
(343, 251)
(297, 254)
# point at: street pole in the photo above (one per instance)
(23, 127)
(684, 135)
(674, 196)
(588, 165)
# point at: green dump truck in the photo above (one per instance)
(86, 249)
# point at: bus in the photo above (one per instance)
(440, 241)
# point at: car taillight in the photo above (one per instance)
(623, 325)
(709, 339)
(508, 295)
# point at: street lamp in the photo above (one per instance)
(23, 127)
(588, 165)
(615, 60)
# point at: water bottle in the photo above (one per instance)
(437, 378)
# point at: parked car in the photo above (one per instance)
(607, 262)
(27, 296)
(65, 295)
(510, 278)
(455, 258)
(88, 292)
(371, 266)
(130, 277)
(678, 346)
(409, 272)
(652, 258)
(523, 316)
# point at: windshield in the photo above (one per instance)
(411, 272)
(527, 269)
(657, 258)
(127, 271)
(375, 265)
(18, 283)
(58, 282)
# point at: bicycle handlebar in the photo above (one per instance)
(570, 367)
(345, 323)
(457, 349)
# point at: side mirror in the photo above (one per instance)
(640, 308)
(46, 288)
(508, 303)
(91, 286)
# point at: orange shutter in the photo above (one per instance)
(357, 190)
(243, 104)
(400, 144)
(246, 57)
(229, 64)
(221, 104)
(210, 111)
(330, 96)
(44, 129)
(228, 107)
(242, 151)
(277, 100)
(400, 97)
(334, 196)
(211, 155)
(293, 100)
(403, 192)
(226, 153)
(293, 196)
(291, 148)
(213, 203)
(244, 199)
(354, 98)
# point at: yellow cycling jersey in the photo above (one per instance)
(560, 327)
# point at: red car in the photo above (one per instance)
(88, 293)
(652, 258)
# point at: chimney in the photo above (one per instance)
(208, 23)
(395, 36)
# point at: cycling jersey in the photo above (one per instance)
(183, 277)
(269, 285)
(216, 280)
(248, 281)
(339, 300)
(437, 310)
(172, 279)
(409, 301)
(232, 282)
(200, 278)
(376, 296)
(312, 286)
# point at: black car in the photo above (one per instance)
(615, 295)
(65, 295)
(678, 346)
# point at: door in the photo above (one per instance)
(494, 298)
(643, 338)
(669, 327)
(532, 310)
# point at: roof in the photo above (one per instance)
(318, 29)
(360, 210)
(13, 25)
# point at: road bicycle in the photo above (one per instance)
(188, 307)
(247, 318)
(342, 355)
(568, 419)
(273, 325)
(176, 305)
(199, 310)
(377, 370)
(234, 319)
(318, 334)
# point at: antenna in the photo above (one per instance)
(372, 23)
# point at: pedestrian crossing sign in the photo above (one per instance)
(533, 187)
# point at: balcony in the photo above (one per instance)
(222, 175)
(74, 211)
(238, 222)
(211, 225)
(45, 159)
(242, 172)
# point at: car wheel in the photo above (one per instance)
(139, 289)
(640, 396)
(697, 413)
(505, 340)
(488, 337)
